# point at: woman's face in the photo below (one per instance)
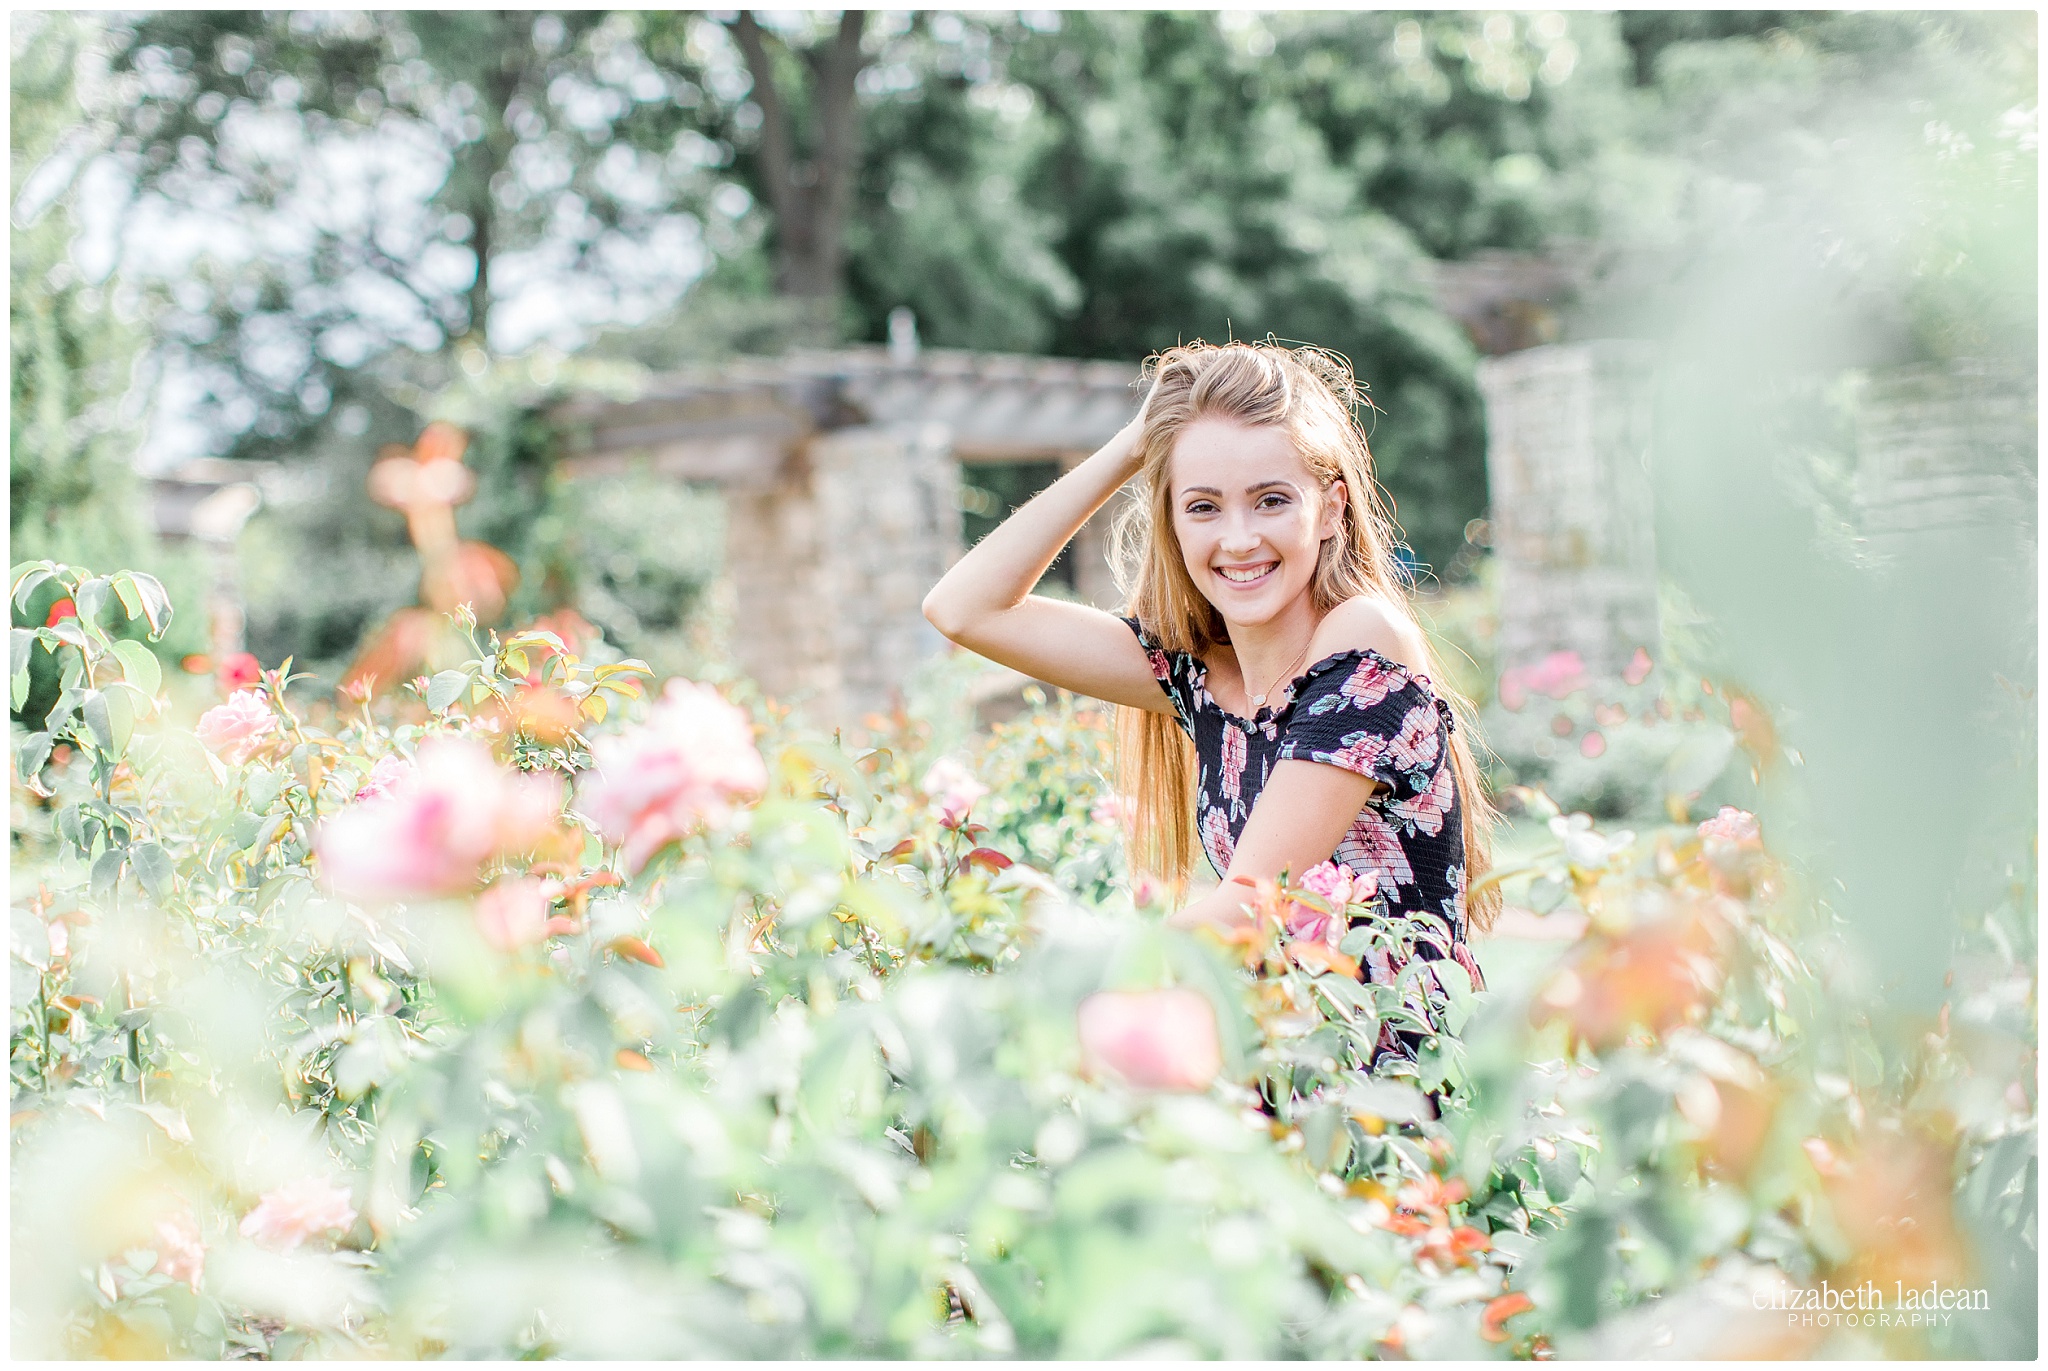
(1250, 516)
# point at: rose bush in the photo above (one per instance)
(496, 1028)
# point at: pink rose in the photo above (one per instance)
(180, 1253)
(513, 912)
(433, 828)
(1152, 1039)
(236, 729)
(691, 760)
(1339, 884)
(296, 1211)
(1734, 826)
(955, 789)
(388, 772)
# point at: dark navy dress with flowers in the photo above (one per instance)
(1358, 710)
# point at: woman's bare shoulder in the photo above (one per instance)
(1366, 622)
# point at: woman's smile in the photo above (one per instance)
(1247, 575)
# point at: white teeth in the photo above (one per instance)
(1244, 573)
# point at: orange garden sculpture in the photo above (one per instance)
(426, 482)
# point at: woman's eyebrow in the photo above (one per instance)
(1271, 485)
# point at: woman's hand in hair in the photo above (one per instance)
(985, 602)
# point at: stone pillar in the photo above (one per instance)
(1944, 448)
(781, 631)
(888, 518)
(1567, 460)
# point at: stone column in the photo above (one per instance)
(888, 512)
(1567, 460)
(1944, 448)
(781, 633)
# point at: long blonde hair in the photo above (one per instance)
(1313, 395)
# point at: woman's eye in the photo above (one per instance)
(1272, 501)
(1200, 507)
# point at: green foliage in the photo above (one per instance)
(80, 374)
(812, 1082)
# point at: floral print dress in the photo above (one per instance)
(1358, 710)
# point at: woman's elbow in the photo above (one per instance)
(943, 614)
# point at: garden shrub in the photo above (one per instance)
(541, 1015)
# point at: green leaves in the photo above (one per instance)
(140, 666)
(445, 689)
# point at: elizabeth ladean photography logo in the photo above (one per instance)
(1865, 1305)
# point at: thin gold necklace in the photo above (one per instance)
(1258, 701)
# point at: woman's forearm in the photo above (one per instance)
(999, 571)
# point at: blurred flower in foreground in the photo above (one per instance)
(1557, 676)
(388, 772)
(1585, 846)
(1734, 826)
(955, 789)
(689, 762)
(236, 729)
(1153, 1039)
(513, 913)
(1654, 977)
(430, 830)
(180, 1253)
(297, 1211)
(238, 671)
(65, 608)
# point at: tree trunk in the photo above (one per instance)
(809, 189)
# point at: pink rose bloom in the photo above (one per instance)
(388, 772)
(691, 761)
(434, 827)
(180, 1253)
(1108, 809)
(955, 789)
(1339, 885)
(236, 729)
(296, 1211)
(513, 912)
(1152, 1039)
(1734, 826)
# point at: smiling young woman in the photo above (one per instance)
(1277, 702)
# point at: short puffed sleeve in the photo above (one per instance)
(1360, 711)
(1174, 672)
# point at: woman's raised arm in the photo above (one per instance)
(985, 602)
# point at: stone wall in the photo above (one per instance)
(1567, 461)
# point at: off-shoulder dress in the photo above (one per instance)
(1360, 711)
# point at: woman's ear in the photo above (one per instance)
(1336, 499)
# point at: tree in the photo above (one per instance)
(74, 387)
